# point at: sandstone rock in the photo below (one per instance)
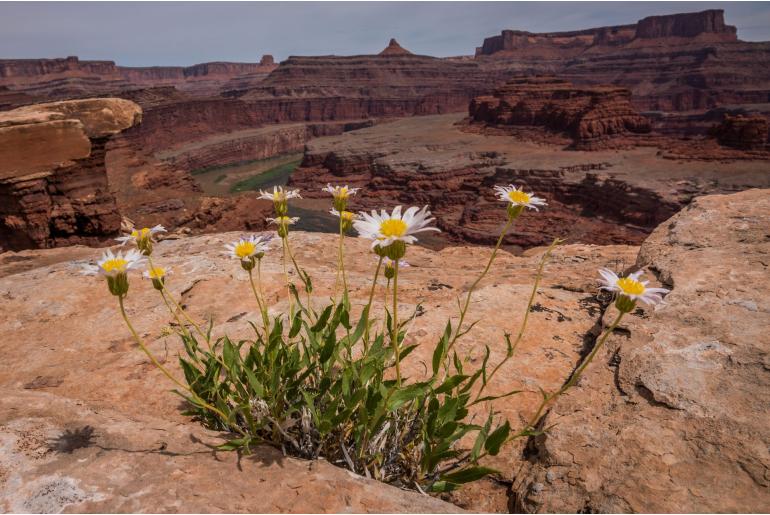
(394, 48)
(743, 132)
(674, 414)
(592, 116)
(680, 62)
(600, 197)
(689, 25)
(52, 172)
(90, 425)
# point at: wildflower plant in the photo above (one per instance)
(327, 382)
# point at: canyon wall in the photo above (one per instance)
(680, 62)
(594, 117)
(600, 196)
(710, 25)
(53, 181)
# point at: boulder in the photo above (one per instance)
(673, 414)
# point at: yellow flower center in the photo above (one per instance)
(156, 273)
(518, 197)
(244, 249)
(347, 215)
(140, 234)
(630, 286)
(114, 265)
(342, 192)
(393, 228)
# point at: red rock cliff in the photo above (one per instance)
(53, 182)
(590, 115)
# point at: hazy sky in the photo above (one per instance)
(184, 33)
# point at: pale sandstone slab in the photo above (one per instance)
(90, 361)
(674, 417)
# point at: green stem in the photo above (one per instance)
(173, 313)
(342, 263)
(464, 309)
(179, 307)
(394, 329)
(369, 304)
(572, 380)
(259, 303)
(288, 283)
(163, 369)
(299, 274)
(523, 326)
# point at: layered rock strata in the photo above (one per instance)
(593, 117)
(743, 132)
(680, 62)
(600, 197)
(53, 181)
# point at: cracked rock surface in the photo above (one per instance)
(82, 409)
(675, 414)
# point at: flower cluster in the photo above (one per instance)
(319, 388)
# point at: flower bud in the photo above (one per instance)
(396, 250)
(118, 284)
(514, 210)
(390, 271)
(340, 203)
(248, 264)
(625, 304)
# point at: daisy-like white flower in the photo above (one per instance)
(630, 288)
(279, 197)
(392, 232)
(115, 267)
(142, 238)
(283, 223)
(157, 275)
(347, 218)
(340, 194)
(517, 199)
(247, 250)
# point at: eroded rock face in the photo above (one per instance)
(53, 182)
(593, 116)
(600, 197)
(679, 62)
(394, 48)
(743, 132)
(673, 417)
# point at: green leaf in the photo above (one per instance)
(451, 383)
(230, 355)
(442, 486)
(406, 351)
(296, 325)
(406, 394)
(468, 474)
(321, 323)
(497, 438)
(481, 438)
(234, 444)
(328, 349)
(440, 352)
(256, 386)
